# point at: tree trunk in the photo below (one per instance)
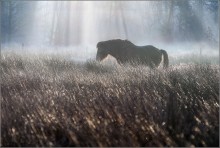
(9, 21)
(123, 21)
(67, 28)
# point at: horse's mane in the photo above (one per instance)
(126, 44)
(129, 42)
(123, 43)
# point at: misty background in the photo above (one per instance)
(177, 26)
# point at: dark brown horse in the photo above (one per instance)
(126, 52)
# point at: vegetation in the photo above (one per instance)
(49, 101)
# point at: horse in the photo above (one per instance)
(125, 51)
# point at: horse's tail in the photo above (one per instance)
(165, 58)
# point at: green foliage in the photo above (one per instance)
(53, 102)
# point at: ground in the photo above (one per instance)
(50, 101)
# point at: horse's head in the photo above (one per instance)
(102, 51)
(111, 47)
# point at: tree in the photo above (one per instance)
(190, 26)
(16, 20)
(68, 24)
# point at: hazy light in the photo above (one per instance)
(80, 25)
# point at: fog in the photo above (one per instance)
(75, 27)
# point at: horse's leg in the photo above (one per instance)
(153, 65)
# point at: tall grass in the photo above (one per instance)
(49, 101)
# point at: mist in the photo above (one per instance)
(180, 27)
(59, 90)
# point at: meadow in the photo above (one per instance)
(50, 101)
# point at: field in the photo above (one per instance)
(49, 101)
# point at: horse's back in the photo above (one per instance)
(147, 50)
(148, 54)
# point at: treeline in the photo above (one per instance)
(63, 23)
